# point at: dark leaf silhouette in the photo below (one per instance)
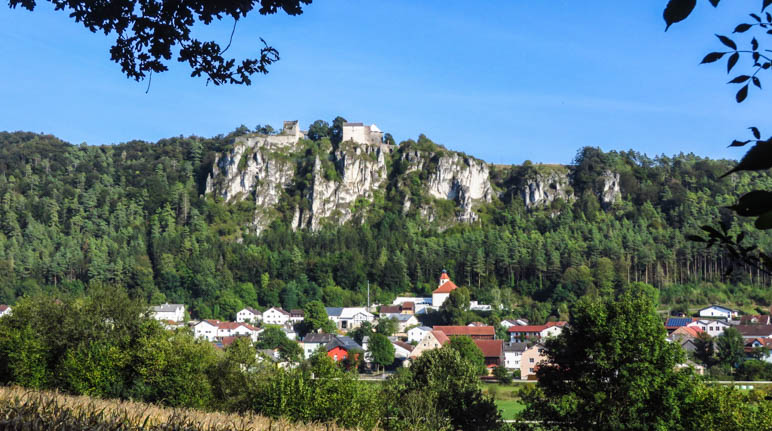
(727, 41)
(754, 203)
(755, 44)
(695, 238)
(742, 94)
(677, 11)
(714, 2)
(756, 132)
(737, 143)
(757, 158)
(756, 82)
(740, 79)
(742, 28)
(712, 57)
(732, 61)
(766, 3)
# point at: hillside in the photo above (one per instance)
(266, 219)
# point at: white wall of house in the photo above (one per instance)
(175, 315)
(248, 316)
(273, 316)
(512, 360)
(552, 331)
(714, 311)
(714, 328)
(205, 330)
(417, 334)
(439, 298)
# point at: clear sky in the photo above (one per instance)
(505, 81)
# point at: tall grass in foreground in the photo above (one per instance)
(29, 410)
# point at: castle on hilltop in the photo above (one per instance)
(361, 134)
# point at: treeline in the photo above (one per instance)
(105, 345)
(135, 215)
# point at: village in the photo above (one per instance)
(519, 352)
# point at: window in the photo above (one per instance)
(530, 360)
(530, 370)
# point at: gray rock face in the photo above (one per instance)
(268, 168)
(545, 188)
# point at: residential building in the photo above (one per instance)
(756, 319)
(420, 305)
(673, 323)
(402, 350)
(276, 316)
(512, 354)
(530, 360)
(349, 317)
(718, 311)
(753, 344)
(403, 320)
(297, 316)
(312, 342)
(213, 330)
(441, 294)
(432, 340)
(417, 334)
(714, 328)
(5, 310)
(476, 332)
(408, 307)
(341, 346)
(535, 332)
(249, 315)
(755, 331)
(493, 352)
(390, 309)
(169, 312)
(508, 323)
(476, 306)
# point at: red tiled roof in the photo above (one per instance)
(444, 276)
(559, 323)
(404, 345)
(527, 328)
(491, 348)
(446, 287)
(390, 309)
(409, 305)
(754, 330)
(3, 307)
(466, 330)
(441, 337)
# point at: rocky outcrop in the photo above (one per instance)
(545, 187)
(461, 179)
(611, 190)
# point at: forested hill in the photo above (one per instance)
(138, 214)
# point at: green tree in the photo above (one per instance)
(469, 352)
(387, 327)
(731, 348)
(502, 374)
(381, 350)
(140, 49)
(455, 307)
(315, 319)
(704, 350)
(611, 368)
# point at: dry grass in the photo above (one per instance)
(25, 409)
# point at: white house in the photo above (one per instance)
(714, 328)
(249, 315)
(5, 310)
(718, 311)
(442, 292)
(513, 322)
(403, 320)
(417, 334)
(349, 317)
(206, 329)
(275, 316)
(476, 306)
(512, 354)
(553, 329)
(297, 316)
(211, 330)
(172, 312)
(312, 342)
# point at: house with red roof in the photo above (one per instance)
(442, 292)
(493, 352)
(535, 332)
(475, 332)
(432, 340)
(4, 310)
(213, 330)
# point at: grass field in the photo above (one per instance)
(509, 408)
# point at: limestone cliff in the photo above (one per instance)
(310, 184)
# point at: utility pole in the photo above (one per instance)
(368, 295)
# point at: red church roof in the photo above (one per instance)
(446, 287)
(444, 276)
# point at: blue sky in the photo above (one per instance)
(506, 81)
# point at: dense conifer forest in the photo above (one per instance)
(135, 214)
